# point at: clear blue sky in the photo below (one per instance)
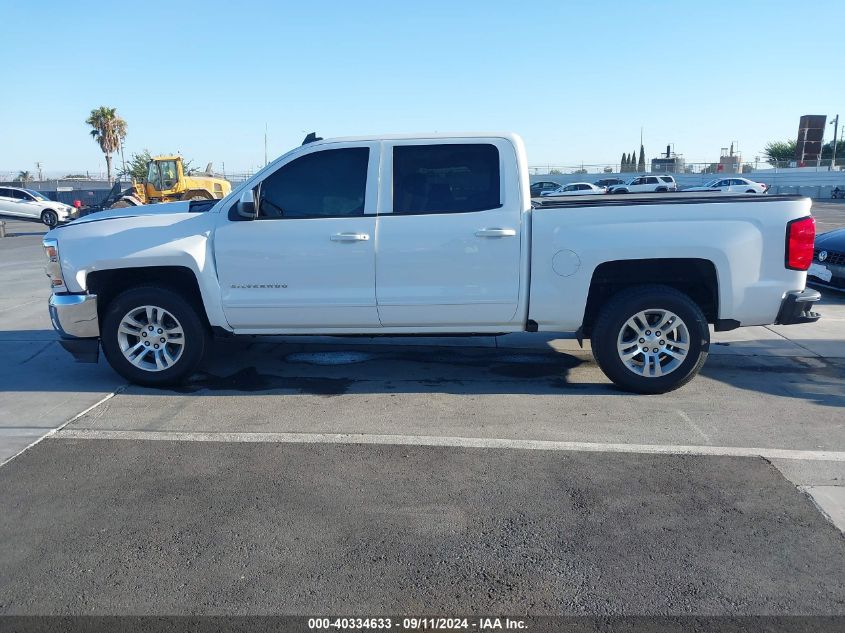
(576, 79)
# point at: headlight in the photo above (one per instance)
(54, 267)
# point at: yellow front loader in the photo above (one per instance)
(166, 182)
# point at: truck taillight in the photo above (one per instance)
(800, 236)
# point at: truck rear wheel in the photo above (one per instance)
(650, 339)
(152, 336)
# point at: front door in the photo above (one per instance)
(449, 246)
(307, 261)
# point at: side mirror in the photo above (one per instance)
(246, 205)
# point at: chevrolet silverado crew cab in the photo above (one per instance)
(431, 234)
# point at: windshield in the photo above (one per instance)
(712, 183)
(38, 196)
(162, 174)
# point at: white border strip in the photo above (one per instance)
(65, 423)
(462, 442)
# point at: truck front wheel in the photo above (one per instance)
(650, 339)
(152, 336)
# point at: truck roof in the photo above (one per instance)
(419, 136)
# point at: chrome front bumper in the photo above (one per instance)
(74, 317)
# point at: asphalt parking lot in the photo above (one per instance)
(318, 475)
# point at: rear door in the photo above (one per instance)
(7, 202)
(448, 252)
(637, 185)
(308, 261)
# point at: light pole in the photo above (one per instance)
(835, 124)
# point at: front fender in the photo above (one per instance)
(136, 241)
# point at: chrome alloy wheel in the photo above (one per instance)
(653, 343)
(151, 338)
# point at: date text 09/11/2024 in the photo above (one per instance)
(417, 623)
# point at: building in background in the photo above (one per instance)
(808, 150)
(669, 163)
(730, 162)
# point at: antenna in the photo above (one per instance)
(265, 144)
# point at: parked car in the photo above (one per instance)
(575, 189)
(646, 184)
(828, 267)
(608, 182)
(734, 185)
(427, 235)
(537, 188)
(26, 203)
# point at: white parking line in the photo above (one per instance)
(65, 423)
(462, 442)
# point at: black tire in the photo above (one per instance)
(195, 335)
(620, 191)
(662, 190)
(750, 191)
(50, 218)
(623, 306)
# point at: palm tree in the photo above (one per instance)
(24, 177)
(109, 130)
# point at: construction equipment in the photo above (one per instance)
(166, 181)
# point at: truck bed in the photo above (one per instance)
(632, 199)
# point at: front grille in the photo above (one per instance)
(834, 258)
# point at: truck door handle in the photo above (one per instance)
(350, 237)
(496, 233)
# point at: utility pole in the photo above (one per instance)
(835, 134)
(40, 175)
(122, 157)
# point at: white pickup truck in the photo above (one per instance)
(434, 234)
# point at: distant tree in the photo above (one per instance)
(75, 177)
(109, 130)
(24, 177)
(624, 164)
(827, 152)
(136, 166)
(779, 151)
(634, 160)
(747, 167)
(641, 163)
(555, 172)
(580, 171)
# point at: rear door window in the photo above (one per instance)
(446, 178)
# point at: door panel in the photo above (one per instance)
(296, 274)
(8, 205)
(308, 262)
(439, 263)
(440, 270)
